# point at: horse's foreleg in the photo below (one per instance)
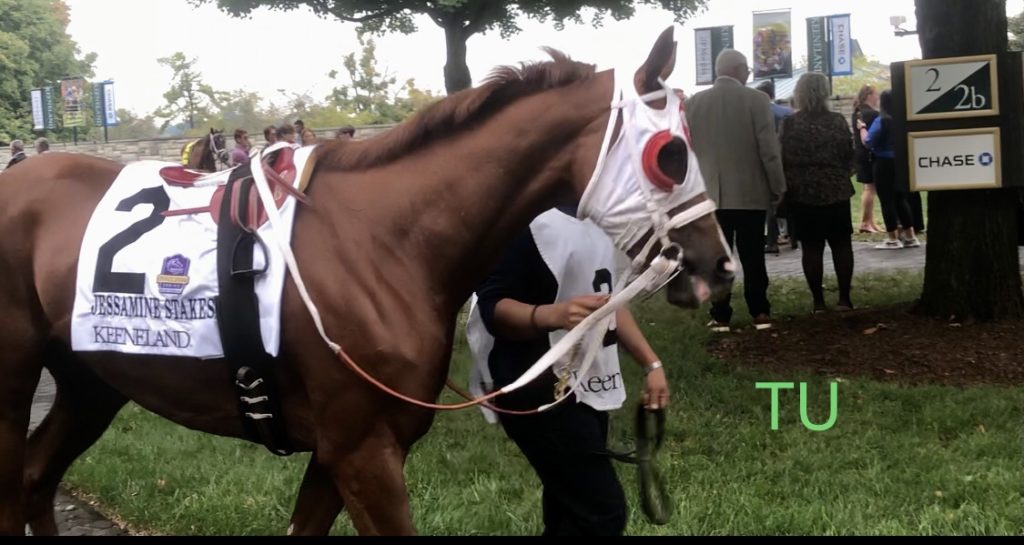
(318, 503)
(81, 412)
(19, 370)
(372, 483)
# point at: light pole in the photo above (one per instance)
(897, 21)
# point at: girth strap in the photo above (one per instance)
(238, 319)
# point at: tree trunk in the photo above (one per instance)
(456, 71)
(972, 269)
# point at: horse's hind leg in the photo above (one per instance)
(19, 375)
(81, 412)
(318, 503)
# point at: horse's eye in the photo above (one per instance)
(673, 160)
(665, 160)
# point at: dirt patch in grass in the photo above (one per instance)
(888, 344)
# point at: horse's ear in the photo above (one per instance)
(660, 63)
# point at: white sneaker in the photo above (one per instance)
(719, 327)
(911, 243)
(890, 245)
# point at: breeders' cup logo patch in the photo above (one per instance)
(173, 276)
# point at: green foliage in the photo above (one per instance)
(238, 109)
(35, 51)
(132, 127)
(372, 95)
(1016, 28)
(188, 99)
(461, 18)
(865, 72)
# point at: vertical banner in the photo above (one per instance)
(709, 43)
(97, 104)
(38, 117)
(773, 48)
(842, 45)
(109, 107)
(817, 45)
(42, 109)
(104, 111)
(72, 91)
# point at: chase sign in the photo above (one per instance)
(955, 159)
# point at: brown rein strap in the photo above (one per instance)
(466, 395)
(432, 406)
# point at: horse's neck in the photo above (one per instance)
(514, 169)
(206, 160)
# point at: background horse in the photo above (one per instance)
(204, 153)
(403, 228)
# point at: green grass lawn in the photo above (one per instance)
(899, 460)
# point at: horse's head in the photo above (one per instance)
(218, 146)
(645, 187)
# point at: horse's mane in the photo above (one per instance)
(504, 85)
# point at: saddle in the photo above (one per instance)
(238, 212)
(279, 168)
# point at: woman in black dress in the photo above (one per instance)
(817, 155)
(865, 110)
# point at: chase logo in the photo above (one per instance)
(960, 160)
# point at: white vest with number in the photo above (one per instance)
(583, 261)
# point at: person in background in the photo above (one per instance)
(817, 155)
(899, 220)
(309, 137)
(17, 153)
(240, 155)
(778, 110)
(286, 133)
(773, 220)
(553, 275)
(865, 110)
(42, 146)
(300, 130)
(347, 132)
(270, 135)
(738, 149)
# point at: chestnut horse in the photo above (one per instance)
(402, 229)
(204, 154)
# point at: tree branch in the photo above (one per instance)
(384, 13)
(437, 15)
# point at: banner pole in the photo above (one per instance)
(828, 42)
(103, 95)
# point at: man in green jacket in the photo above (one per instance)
(734, 137)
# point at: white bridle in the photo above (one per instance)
(216, 152)
(620, 197)
(623, 201)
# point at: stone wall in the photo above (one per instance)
(159, 149)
